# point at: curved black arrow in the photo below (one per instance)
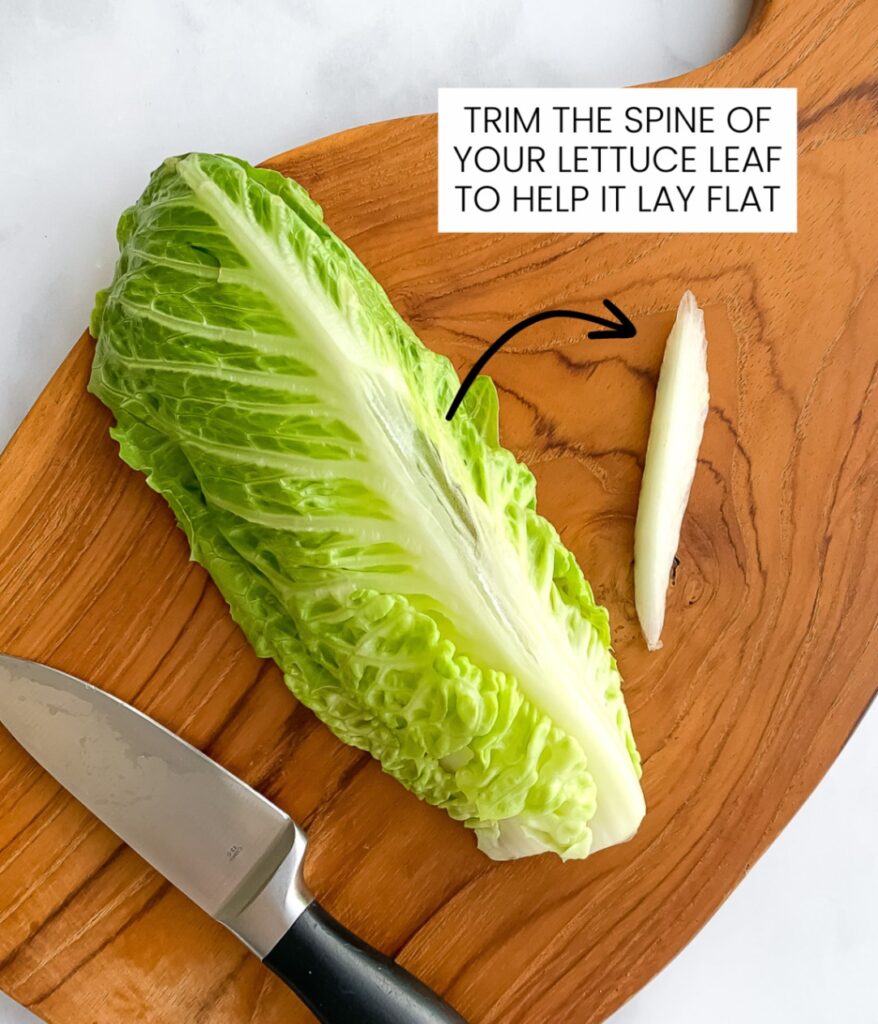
(621, 327)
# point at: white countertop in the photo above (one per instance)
(94, 93)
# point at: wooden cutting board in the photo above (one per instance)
(770, 650)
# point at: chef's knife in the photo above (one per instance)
(226, 847)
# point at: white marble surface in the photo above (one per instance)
(94, 93)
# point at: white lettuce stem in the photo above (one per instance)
(681, 404)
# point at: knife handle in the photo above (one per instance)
(342, 979)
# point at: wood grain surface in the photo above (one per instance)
(770, 650)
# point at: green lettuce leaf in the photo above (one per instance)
(393, 564)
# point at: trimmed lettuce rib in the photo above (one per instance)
(393, 564)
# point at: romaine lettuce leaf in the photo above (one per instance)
(392, 563)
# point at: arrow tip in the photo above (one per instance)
(624, 328)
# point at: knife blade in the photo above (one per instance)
(228, 848)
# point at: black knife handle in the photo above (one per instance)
(342, 979)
